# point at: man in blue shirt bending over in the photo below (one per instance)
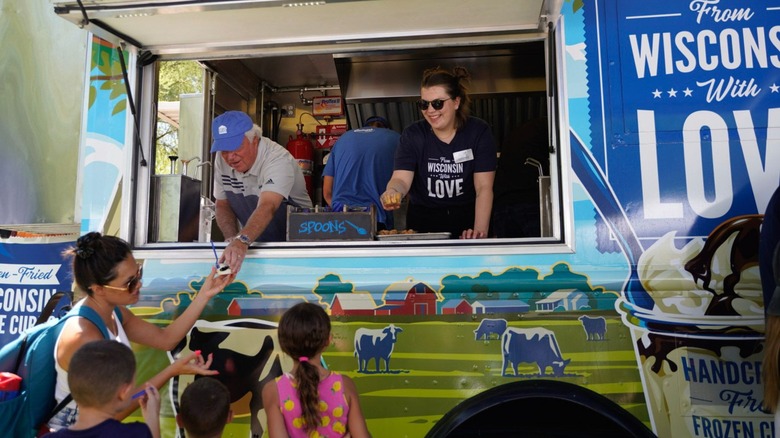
(359, 167)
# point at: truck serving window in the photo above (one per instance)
(305, 102)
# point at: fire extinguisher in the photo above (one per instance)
(302, 150)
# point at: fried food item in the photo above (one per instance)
(392, 232)
(391, 200)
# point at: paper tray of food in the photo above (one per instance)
(413, 236)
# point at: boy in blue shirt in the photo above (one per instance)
(101, 379)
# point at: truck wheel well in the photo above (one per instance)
(539, 408)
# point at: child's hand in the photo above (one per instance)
(150, 408)
(150, 402)
(194, 364)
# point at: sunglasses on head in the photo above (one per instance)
(133, 283)
(437, 104)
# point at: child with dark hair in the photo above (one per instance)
(205, 408)
(101, 380)
(108, 274)
(312, 401)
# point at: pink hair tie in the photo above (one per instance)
(303, 359)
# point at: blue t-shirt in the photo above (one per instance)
(109, 428)
(361, 164)
(444, 173)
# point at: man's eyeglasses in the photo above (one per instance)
(437, 104)
(133, 283)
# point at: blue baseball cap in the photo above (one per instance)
(377, 119)
(228, 130)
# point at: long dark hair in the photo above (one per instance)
(95, 258)
(304, 331)
(770, 370)
(454, 82)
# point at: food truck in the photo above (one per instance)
(635, 311)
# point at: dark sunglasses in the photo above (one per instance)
(132, 283)
(437, 104)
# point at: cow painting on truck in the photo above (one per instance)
(376, 344)
(595, 327)
(243, 367)
(535, 345)
(489, 327)
(664, 147)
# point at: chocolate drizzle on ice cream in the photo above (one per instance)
(743, 231)
(659, 346)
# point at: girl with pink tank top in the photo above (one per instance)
(310, 402)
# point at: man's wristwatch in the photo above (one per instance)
(243, 238)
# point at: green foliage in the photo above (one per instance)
(516, 281)
(179, 77)
(332, 284)
(576, 5)
(92, 96)
(109, 77)
(175, 78)
(119, 107)
(167, 145)
(480, 288)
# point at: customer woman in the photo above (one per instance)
(446, 162)
(105, 269)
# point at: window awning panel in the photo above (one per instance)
(256, 27)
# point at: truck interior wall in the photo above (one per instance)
(228, 98)
(502, 112)
(383, 82)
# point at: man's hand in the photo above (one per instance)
(234, 255)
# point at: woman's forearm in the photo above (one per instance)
(398, 185)
(482, 209)
(179, 327)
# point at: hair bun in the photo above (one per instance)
(461, 73)
(84, 245)
(84, 253)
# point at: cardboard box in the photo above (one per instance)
(323, 224)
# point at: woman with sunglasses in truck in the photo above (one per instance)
(106, 271)
(446, 162)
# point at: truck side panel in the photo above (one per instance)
(673, 139)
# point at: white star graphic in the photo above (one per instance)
(672, 92)
(688, 92)
(656, 94)
(774, 88)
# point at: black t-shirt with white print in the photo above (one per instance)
(444, 173)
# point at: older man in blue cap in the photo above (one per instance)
(359, 167)
(254, 180)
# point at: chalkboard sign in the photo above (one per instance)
(357, 223)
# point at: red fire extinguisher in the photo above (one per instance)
(302, 150)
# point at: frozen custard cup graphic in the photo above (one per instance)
(699, 349)
(697, 330)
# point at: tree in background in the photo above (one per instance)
(175, 78)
